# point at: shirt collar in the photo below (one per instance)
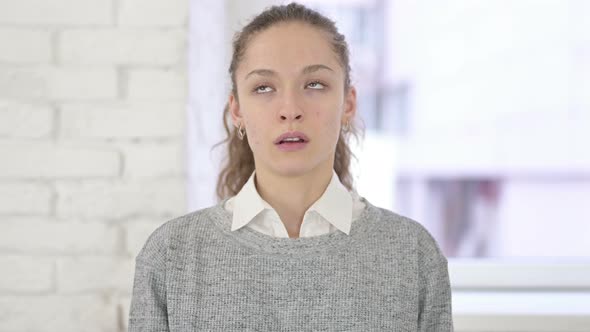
(247, 204)
(334, 205)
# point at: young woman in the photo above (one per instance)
(291, 246)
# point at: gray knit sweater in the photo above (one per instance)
(194, 274)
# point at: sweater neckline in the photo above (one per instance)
(263, 243)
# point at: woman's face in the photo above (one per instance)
(290, 80)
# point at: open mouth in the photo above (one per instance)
(291, 141)
(294, 140)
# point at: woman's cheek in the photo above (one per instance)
(332, 126)
(253, 138)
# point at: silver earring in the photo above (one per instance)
(241, 132)
(346, 126)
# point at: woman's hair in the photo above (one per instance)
(239, 162)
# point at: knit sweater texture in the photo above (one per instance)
(195, 274)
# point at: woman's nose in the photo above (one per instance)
(295, 117)
(290, 109)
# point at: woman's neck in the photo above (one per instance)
(291, 196)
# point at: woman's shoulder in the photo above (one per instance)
(155, 248)
(401, 228)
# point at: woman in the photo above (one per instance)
(291, 246)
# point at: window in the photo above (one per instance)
(479, 105)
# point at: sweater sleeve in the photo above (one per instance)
(435, 313)
(148, 311)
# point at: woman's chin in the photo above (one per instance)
(293, 169)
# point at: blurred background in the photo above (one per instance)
(477, 117)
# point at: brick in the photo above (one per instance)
(153, 159)
(137, 233)
(52, 83)
(46, 237)
(89, 313)
(153, 12)
(121, 199)
(87, 274)
(22, 274)
(156, 84)
(47, 160)
(122, 47)
(58, 12)
(20, 120)
(122, 121)
(19, 198)
(25, 46)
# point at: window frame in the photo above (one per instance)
(497, 294)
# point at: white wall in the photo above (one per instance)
(92, 127)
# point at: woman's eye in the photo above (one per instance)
(316, 85)
(263, 89)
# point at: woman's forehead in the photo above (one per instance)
(289, 46)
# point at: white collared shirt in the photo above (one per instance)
(334, 210)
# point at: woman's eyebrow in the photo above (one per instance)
(314, 68)
(261, 72)
(307, 70)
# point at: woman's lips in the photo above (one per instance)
(291, 134)
(291, 146)
(287, 141)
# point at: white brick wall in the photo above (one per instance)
(119, 199)
(26, 274)
(31, 160)
(52, 83)
(129, 120)
(42, 236)
(24, 198)
(93, 97)
(56, 12)
(21, 120)
(63, 313)
(25, 45)
(122, 46)
(153, 159)
(157, 84)
(95, 274)
(153, 13)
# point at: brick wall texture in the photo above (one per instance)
(93, 96)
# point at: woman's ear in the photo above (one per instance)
(234, 110)
(349, 104)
